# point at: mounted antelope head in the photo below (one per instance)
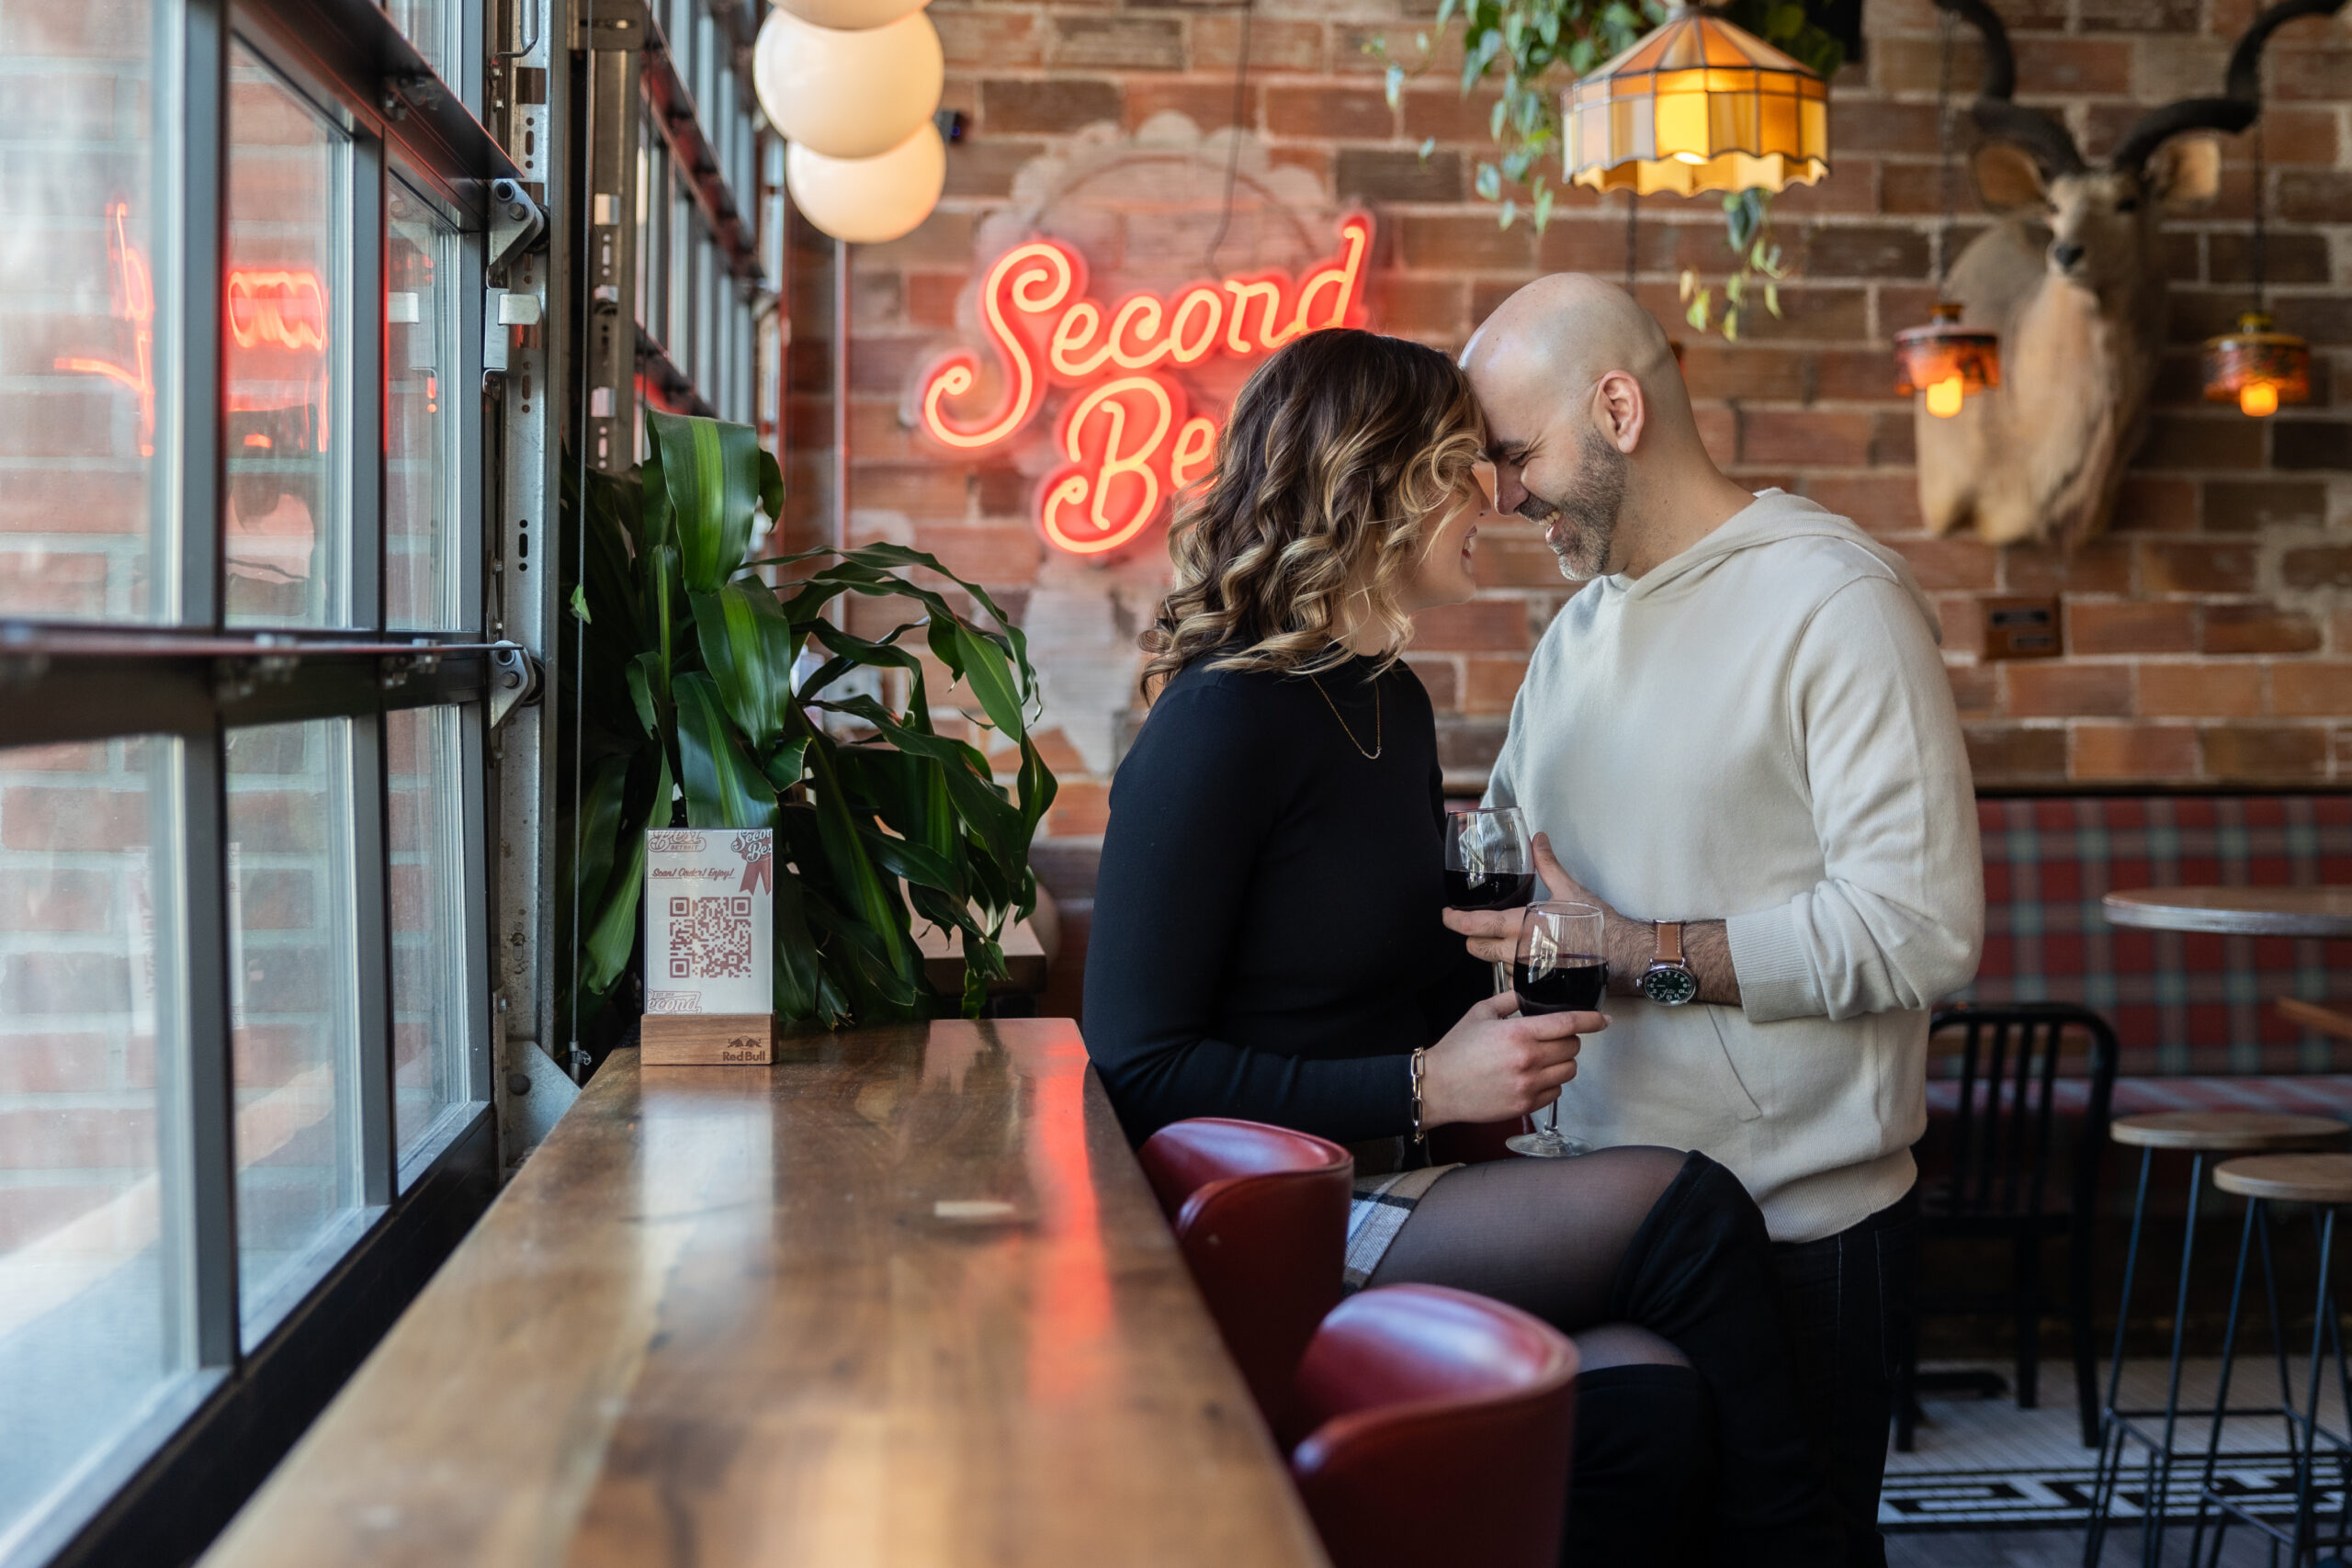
(2073, 282)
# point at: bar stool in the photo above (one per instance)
(2325, 1181)
(2201, 1134)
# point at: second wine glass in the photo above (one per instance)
(1489, 865)
(1559, 969)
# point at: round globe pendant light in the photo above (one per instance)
(1698, 104)
(850, 15)
(848, 95)
(869, 201)
(2256, 368)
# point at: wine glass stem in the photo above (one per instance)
(1502, 977)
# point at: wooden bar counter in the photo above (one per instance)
(902, 1298)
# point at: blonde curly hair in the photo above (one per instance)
(1341, 449)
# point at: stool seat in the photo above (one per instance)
(2226, 1131)
(2293, 1178)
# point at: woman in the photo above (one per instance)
(1267, 945)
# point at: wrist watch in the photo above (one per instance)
(1669, 981)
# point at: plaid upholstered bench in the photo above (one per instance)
(2194, 1012)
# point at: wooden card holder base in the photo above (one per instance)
(708, 1039)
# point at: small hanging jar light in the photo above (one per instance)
(2256, 366)
(1947, 361)
(1697, 105)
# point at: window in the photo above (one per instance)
(243, 955)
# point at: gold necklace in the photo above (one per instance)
(1378, 745)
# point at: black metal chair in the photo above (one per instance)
(1999, 1186)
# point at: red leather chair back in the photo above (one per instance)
(1261, 1216)
(1441, 1431)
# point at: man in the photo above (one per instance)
(1739, 743)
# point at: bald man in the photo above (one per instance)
(1737, 741)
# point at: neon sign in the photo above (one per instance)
(278, 309)
(1128, 438)
(134, 301)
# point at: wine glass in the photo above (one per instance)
(1559, 969)
(1489, 863)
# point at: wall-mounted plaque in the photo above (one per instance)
(709, 945)
(2022, 628)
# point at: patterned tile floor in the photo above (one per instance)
(1983, 1465)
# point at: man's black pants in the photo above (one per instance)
(1848, 1297)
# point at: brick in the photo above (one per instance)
(2311, 71)
(1850, 374)
(1329, 114)
(1883, 503)
(2065, 67)
(1378, 174)
(35, 817)
(1975, 690)
(2130, 625)
(1715, 369)
(1409, 304)
(1895, 440)
(28, 1213)
(2015, 754)
(1274, 45)
(1441, 680)
(985, 166)
(2245, 505)
(1481, 626)
(1880, 125)
(2133, 751)
(2312, 196)
(2324, 319)
(999, 40)
(1445, 114)
(55, 900)
(1469, 242)
(2265, 751)
(1514, 556)
(1209, 105)
(1470, 744)
(2139, 15)
(2258, 628)
(2303, 444)
(1950, 563)
(2198, 568)
(986, 553)
(87, 1138)
(1063, 103)
(2054, 690)
(52, 1064)
(1116, 42)
(2151, 506)
(1866, 251)
(1808, 438)
(2200, 691)
(2328, 566)
(2174, 441)
(2286, 258)
(1851, 186)
(1491, 684)
(917, 489)
(1960, 624)
(2300, 689)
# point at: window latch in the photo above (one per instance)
(514, 680)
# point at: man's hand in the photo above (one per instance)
(1628, 945)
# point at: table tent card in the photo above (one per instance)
(709, 945)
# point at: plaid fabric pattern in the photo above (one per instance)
(2183, 1004)
(2302, 1094)
(1377, 1212)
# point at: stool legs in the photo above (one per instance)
(2110, 1452)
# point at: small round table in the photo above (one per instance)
(2236, 911)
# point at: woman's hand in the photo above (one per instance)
(1492, 1066)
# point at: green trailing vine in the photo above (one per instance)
(1534, 47)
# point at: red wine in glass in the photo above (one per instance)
(1489, 863)
(1575, 983)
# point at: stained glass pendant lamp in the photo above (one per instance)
(2256, 366)
(1698, 104)
(1945, 360)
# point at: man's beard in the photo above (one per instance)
(1588, 515)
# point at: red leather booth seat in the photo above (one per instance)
(1261, 1216)
(1441, 1430)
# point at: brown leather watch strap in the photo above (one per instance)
(1669, 941)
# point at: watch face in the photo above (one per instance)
(1669, 987)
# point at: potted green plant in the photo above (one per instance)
(698, 709)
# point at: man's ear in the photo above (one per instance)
(2185, 173)
(1621, 410)
(2007, 178)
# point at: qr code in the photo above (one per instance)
(715, 943)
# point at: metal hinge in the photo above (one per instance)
(516, 679)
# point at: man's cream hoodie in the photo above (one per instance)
(1761, 730)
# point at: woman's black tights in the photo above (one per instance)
(1671, 1244)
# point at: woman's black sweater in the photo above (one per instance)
(1267, 941)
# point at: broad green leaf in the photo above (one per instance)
(798, 971)
(909, 863)
(642, 675)
(723, 790)
(990, 679)
(747, 646)
(786, 766)
(852, 870)
(653, 526)
(611, 935)
(770, 487)
(598, 831)
(712, 472)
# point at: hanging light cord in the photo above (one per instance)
(2259, 203)
(1943, 157)
(1632, 221)
(1233, 149)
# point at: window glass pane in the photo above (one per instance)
(293, 1019)
(289, 518)
(88, 1304)
(421, 533)
(424, 762)
(78, 322)
(430, 25)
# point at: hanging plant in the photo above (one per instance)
(1534, 47)
(713, 701)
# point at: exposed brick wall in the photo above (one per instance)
(2208, 635)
